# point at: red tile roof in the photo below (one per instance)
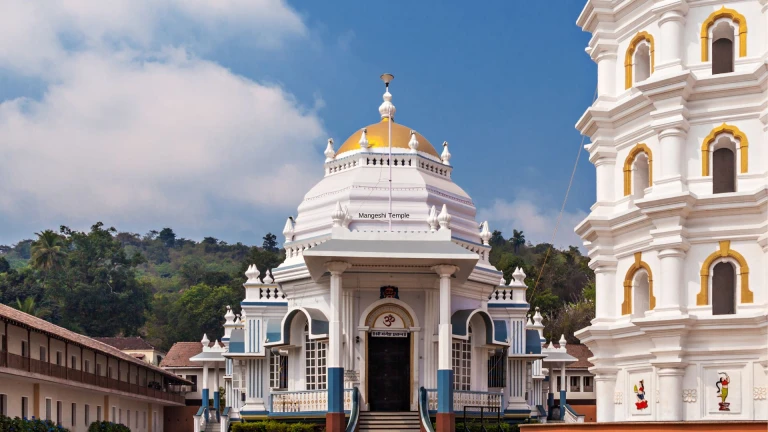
(181, 352)
(135, 343)
(22, 319)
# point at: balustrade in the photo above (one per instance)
(462, 398)
(304, 401)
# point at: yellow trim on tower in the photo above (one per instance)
(641, 36)
(724, 251)
(707, 143)
(734, 16)
(636, 150)
(639, 264)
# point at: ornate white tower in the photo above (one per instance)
(678, 138)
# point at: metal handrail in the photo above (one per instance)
(354, 413)
(426, 422)
(482, 410)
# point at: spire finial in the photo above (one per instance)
(432, 219)
(338, 215)
(364, 139)
(485, 234)
(288, 230)
(444, 218)
(413, 143)
(386, 109)
(330, 153)
(446, 156)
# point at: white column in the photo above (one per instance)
(335, 365)
(670, 393)
(668, 292)
(606, 71)
(605, 389)
(415, 335)
(669, 47)
(672, 146)
(605, 171)
(606, 288)
(430, 359)
(205, 396)
(445, 368)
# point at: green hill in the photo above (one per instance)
(168, 289)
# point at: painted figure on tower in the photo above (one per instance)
(642, 402)
(722, 391)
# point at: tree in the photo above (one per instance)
(167, 236)
(4, 265)
(48, 251)
(29, 306)
(270, 243)
(496, 238)
(518, 239)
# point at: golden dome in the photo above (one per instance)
(378, 137)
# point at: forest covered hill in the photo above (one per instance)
(108, 283)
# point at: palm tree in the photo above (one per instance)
(48, 251)
(29, 306)
(518, 239)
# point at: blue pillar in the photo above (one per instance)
(445, 391)
(204, 401)
(550, 405)
(336, 389)
(216, 400)
(562, 404)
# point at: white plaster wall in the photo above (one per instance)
(198, 372)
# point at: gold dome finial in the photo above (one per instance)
(387, 109)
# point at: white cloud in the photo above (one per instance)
(136, 128)
(537, 223)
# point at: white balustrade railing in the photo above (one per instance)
(571, 416)
(305, 401)
(462, 398)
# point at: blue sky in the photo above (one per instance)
(211, 117)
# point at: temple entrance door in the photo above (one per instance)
(389, 372)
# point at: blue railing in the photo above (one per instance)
(354, 413)
(542, 411)
(426, 421)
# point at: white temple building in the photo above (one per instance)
(678, 138)
(386, 288)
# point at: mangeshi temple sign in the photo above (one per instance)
(385, 215)
(389, 333)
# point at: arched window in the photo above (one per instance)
(315, 372)
(723, 171)
(720, 33)
(462, 362)
(727, 284)
(641, 294)
(725, 149)
(723, 289)
(638, 289)
(638, 60)
(638, 171)
(722, 47)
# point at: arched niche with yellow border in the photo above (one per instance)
(639, 264)
(736, 18)
(725, 251)
(636, 150)
(629, 60)
(710, 139)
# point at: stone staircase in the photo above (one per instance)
(213, 426)
(389, 421)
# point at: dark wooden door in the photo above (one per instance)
(722, 56)
(723, 171)
(723, 289)
(389, 373)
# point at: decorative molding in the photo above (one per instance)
(734, 16)
(618, 398)
(636, 150)
(689, 395)
(640, 37)
(626, 306)
(742, 147)
(759, 393)
(702, 298)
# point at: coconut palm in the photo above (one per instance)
(29, 306)
(48, 251)
(518, 239)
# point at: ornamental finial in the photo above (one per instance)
(446, 156)
(338, 215)
(432, 219)
(444, 218)
(364, 139)
(386, 109)
(288, 230)
(330, 153)
(413, 143)
(485, 234)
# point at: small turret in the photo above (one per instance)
(446, 155)
(330, 153)
(413, 143)
(485, 234)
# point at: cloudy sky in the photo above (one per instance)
(210, 116)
